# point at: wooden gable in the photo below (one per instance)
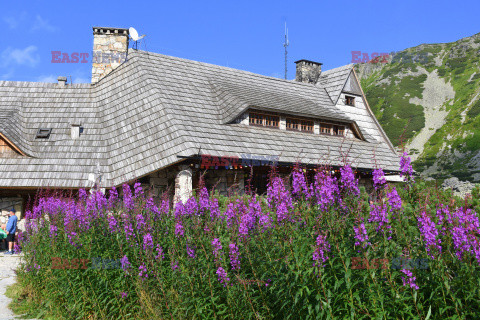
(6, 149)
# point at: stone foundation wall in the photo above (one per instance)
(226, 181)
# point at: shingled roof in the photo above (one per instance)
(154, 108)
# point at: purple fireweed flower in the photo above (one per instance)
(222, 276)
(319, 255)
(409, 280)
(325, 190)
(128, 228)
(234, 256)
(125, 263)
(299, 184)
(247, 222)
(464, 225)
(143, 272)
(179, 229)
(254, 207)
(153, 208)
(164, 207)
(203, 201)
(394, 199)
(140, 221)
(112, 198)
(361, 236)
(190, 207)
(429, 233)
(379, 216)
(265, 222)
(214, 209)
(82, 195)
(378, 179)
(217, 247)
(279, 198)
(100, 200)
(406, 169)
(53, 231)
(137, 188)
(348, 181)
(112, 224)
(191, 251)
(123, 295)
(160, 254)
(230, 214)
(127, 197)
(179, 210)
(174, 265)
(147, 242)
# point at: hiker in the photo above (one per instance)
(11, 229)
(3, 237)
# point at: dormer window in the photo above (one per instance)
(350, 101)
(300, 124)
(259, 119)
(43, 133)
(293, 124)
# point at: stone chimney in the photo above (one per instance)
(62, 81)
(110, 46)
(308, 71)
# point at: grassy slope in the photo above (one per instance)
(390, 86)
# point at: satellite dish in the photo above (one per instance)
(134, 34)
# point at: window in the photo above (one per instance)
(43, 133)
(258, 119)
(271, 121)
(307, 126)
(255, 119)
(325, 128)
(292, 124)
(350, 101)
(338, 130)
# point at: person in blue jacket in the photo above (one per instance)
(11, 229)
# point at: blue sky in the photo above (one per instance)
(246, 35)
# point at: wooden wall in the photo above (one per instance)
(5, 149)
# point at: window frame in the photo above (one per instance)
(295, 121)
(264, 120)
(350, 98)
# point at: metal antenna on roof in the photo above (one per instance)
(285, 45)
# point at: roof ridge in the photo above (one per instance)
(146, 53)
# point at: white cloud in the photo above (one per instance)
(14, 21)
(22, 57)
(47, 78)
(42, 24)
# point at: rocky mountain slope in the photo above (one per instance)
(427, 98)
